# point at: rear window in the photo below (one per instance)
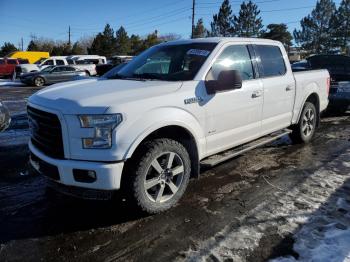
(12, 62)
(271, 61)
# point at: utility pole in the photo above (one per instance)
(22, 43)
(193, 6)
(69, 35)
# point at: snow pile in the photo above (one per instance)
(325, 238)
(9, 83)
(322, 237)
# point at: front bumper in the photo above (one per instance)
(108, 175)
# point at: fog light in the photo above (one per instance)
(84, 176)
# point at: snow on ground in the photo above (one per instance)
(10, 83)
(320, 206)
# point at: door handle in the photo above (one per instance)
(256, 94)
(289, 88)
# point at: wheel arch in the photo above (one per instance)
(314, 99)
(176, 132)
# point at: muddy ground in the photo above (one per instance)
(247, 209)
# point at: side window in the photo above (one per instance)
(48, 62)
(271, 61)
(69, 69)
(11, 62)
(58, 69)
(59, 62)
(235, 57)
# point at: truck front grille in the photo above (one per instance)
(46, 133)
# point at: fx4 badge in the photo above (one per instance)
(193, 100)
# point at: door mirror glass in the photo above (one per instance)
(226, 80)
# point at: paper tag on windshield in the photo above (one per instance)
(198, 52)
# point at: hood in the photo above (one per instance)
(97, 95)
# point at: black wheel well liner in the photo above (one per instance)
(177, 133)
(314, 99)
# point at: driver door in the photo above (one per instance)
(233, 117)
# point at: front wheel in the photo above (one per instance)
(305, 129)
(161, 175)
(39, 81)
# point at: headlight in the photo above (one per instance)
(103, 125)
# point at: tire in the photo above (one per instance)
(87, 73)
(304, 131)
(39, 81)
(160, 175)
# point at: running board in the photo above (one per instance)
(228, 154)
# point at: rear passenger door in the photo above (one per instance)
(279, 88)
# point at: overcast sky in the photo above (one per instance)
(21, 18)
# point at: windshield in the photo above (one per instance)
(47, 69)
(39, 61)
(167, 62)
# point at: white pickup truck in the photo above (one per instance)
(147, 128)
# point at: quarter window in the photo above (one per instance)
(235, 57)
(271, 61)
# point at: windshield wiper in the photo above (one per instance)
(148, 76)
(117, 76)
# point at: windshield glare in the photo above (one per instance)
(167, 62)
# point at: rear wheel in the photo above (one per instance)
(305, 129)
(161, 175)
(39, 81)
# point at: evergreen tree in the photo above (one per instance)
(223, 21)
(32, 46)
(316, 28)
(199, 30)
(280, 33)
(104, 43)
(77, 49)
(248, 23)
(151, 40)
(135, 45)
(122, 42)
(341, 26)
(7, 48)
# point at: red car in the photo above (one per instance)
(7, 66)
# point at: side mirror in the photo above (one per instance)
(227, 80)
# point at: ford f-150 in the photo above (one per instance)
(146, 129)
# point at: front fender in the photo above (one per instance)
(132, 135)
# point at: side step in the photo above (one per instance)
(228, 154)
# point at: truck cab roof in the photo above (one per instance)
(222, 40)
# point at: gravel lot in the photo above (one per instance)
(283, 202)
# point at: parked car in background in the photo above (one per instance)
(7, 66)
(89, 59)
(51, 75)
(101, 69)
(113, 71)
(31, 56)
(338, 67)
(147, 128)
(89, 68)
(5, 118)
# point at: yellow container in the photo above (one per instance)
(32, 56)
